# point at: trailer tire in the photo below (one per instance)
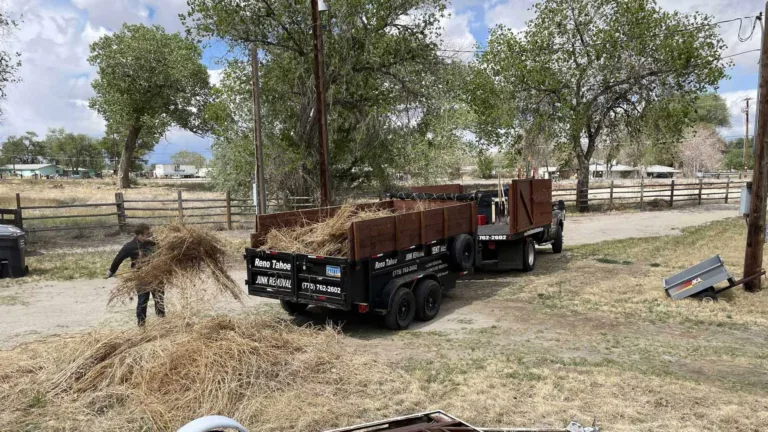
(463, 253)
(557, 243)
(400, 314)
(429, 296)
(529, 255)
(293, 308)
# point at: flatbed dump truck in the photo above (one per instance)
(398, 266)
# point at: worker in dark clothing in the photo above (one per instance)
(140, 246)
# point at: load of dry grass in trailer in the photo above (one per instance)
(329, 237)
(182, 252)
(271, 375)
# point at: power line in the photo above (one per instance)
(756, 18)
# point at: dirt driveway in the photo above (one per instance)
(30, 311)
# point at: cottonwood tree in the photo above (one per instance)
(148, 80)
(388, 92)
(9, 61)
(701, 149)
(590, 66)
(186, 157)
(24, 149)
(74, 151)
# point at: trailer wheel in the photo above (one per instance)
(529, 255)
(293, 308)
(557, 243)
(463, 253)
(429, 296)
(403, 309)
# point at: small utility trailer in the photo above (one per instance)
(699, 281)
(511, 226)
(398, 266)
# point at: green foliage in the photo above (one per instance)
(25, 149)
(186, 157)
(9, 62)
(734, 155)
(392, 106)
(74, 151)
(485, 165)
(148, 81)
(595, 68)
(711, 109)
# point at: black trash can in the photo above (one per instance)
(13, 243)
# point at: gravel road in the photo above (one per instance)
(33, 310)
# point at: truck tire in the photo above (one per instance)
(429, 296)
(293, 308)
(400, 314)
(557, 243)
(463, 253)
(529, 255)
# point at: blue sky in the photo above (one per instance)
(55, 35)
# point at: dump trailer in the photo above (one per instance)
(398, 266)
(513, 220)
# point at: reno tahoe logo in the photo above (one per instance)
(386, 263)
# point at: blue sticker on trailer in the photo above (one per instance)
(333, 271)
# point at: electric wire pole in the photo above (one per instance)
(259, 194)
(322, 123)
(753, 258)
(746, 134)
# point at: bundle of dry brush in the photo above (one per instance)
(328, 237)
(183, 253)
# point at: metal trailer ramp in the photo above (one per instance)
(700, 280)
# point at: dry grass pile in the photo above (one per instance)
(270, 375)
(328, 237)
(183, 252)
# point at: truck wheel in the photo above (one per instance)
(403, 309)
(463, 253)
(429, 296)
(529, 255)
(293, 308)
(557, 243)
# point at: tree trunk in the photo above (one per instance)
(126, 160)
(582, 186)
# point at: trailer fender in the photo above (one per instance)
(410, 281)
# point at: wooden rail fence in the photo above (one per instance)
(228, 212)
(123, 212)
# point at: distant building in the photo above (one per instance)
(30, 170)
(661, 171)
(78, 173)
(203, 172)
(178, 171)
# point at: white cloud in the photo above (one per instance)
(513, 13)
(736, 105)
(457, 36)
(113, 13)
(215, 75)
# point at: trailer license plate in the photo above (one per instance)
(333, 271)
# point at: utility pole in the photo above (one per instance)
(753, 258)
(746, 134)
(258, 174)
(322, 123)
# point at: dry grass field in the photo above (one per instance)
(589, 334)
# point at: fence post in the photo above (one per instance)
(610, 198)
(229, 211)
(642, 192)
(672, 194)
(120, 204)
(19, 217)
(727, 189)
(181, 207)
(700, 183)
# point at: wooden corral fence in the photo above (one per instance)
(653, 194)
(124, 212)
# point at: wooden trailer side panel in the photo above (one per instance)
(530, 203)
(399, 232)
(265, 223)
